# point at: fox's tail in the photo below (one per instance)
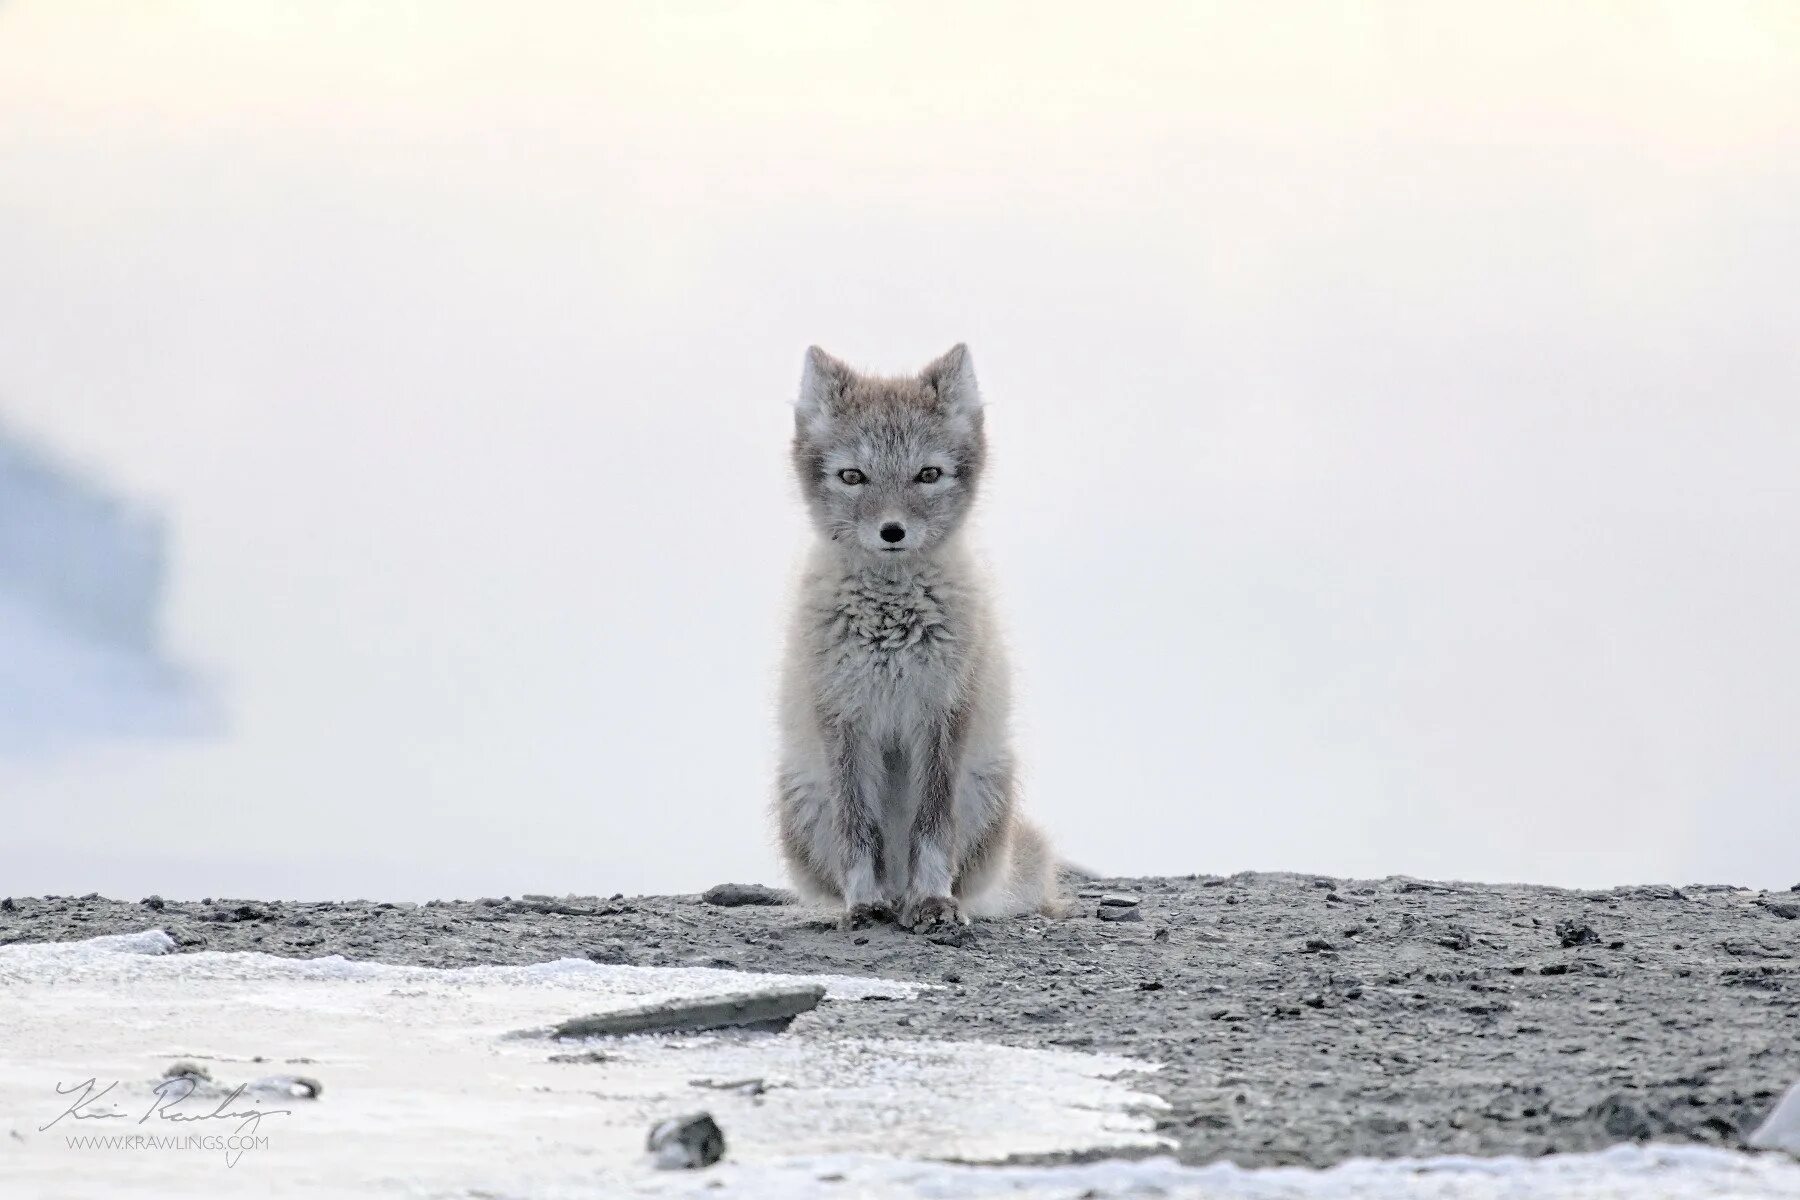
(1029, 885)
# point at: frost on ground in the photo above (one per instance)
(424, 1093)
(1622, 1173)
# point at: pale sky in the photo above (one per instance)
(1395, 411)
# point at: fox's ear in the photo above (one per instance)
(821, 389)
(952, 377)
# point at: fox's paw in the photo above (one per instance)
(862, 916)
(932, 912)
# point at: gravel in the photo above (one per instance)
(1299, 1019)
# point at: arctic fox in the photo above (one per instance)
(895, 795)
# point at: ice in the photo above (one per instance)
(423, 1092)
(1781, 1130)
(1621, 1173)
(423, 1095)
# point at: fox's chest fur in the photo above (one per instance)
(888, 649)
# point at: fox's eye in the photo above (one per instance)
(851, 476)
(930, 475)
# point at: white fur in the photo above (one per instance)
(896, 786)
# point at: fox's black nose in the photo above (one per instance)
(892, 533)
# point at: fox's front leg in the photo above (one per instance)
(859, 844)
(927, 901)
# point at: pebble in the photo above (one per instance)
(772, 1008)
(187, 1070)
(584, 1056)
(741, 1087)
(293, 1087)
(686, 1143)
(1575, 933)
(737, 895)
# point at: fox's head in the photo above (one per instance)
(888, 467)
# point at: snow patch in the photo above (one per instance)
(423, 1095)
(1621, 1173)
(423, 1092)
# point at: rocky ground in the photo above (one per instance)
(1299, 1019)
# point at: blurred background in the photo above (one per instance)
(1396, 410)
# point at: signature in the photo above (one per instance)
(88, 1095)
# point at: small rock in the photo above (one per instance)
(585, 1056)
(1623, 1119)
(152, 902)
(737, 895)
(1118, 900)
(560, 908)
(243, 912)
(188, 1070)
(1573, 933)
(1782, 909)
(1781, 1131)
(7, 905)
(743, 1087)
(1118, 914)
(292, 1087)
(1161, 935)
(1387, 1126)
(1649, 891)
(772, 1009)
(1150, 985)
(686, 1143)
(1317, 945)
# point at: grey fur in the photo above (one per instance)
(896, 793)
